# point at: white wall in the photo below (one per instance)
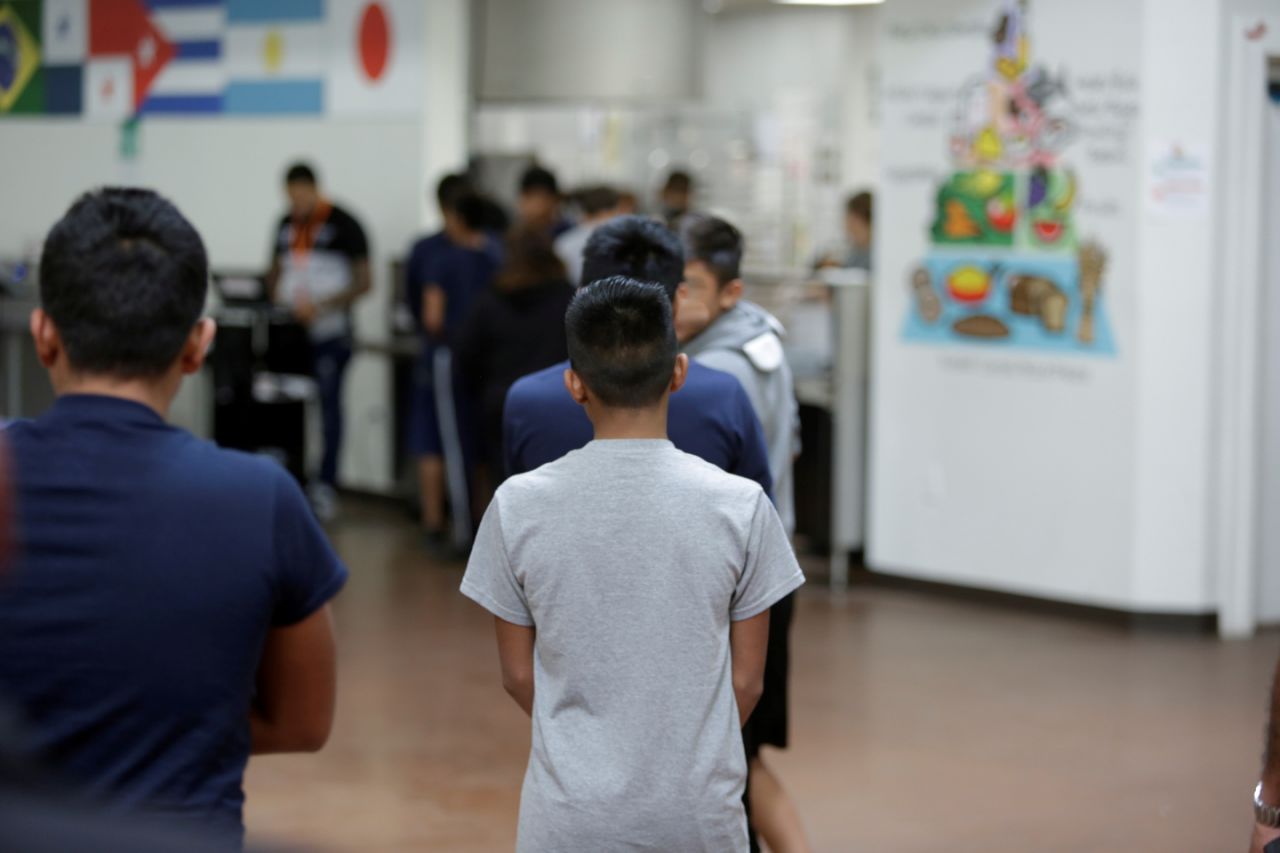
(1067, 476)
(226, 175)
(1269, 474)
(1181, 92)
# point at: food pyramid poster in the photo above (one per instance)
(1006, 267)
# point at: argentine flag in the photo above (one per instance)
(194, 80)
(275, 54)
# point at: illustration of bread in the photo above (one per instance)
(1036, 296)
(1093, 261)
(927, 301)
(981, 326)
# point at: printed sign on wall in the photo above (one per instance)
(113, 59)
(1006, 265)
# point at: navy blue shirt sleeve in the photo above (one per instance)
(513, 431)
(307, 571)
(753, 455)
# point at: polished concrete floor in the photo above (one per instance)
(920, 724)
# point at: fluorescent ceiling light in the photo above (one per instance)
(829, 2)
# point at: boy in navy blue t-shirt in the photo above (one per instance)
(711, 417)
(445, 274)
(167, 612)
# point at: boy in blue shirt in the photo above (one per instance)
(445, 273)
(167, 611)
(711, 417)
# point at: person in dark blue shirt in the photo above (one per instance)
(711, 417)
(166, 613)
(445, 275)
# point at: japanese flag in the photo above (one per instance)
(377, 65)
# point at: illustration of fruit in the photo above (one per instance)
(969, 284)
(959, 225)
(985, 183)
(1039, 187)
(1001, 214)
(1065, 197)
(1047, 230)
(987, 147)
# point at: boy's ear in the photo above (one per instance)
(45, 335)
(680, 373)
(731, 293)
(197, 345)
(576, 387)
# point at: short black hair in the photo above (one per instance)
(537, 178)
(678, 181)
(860, 205)
(123, 276)
(451, 188)
(622, 341)
(635, 247)
(715, 243)
(300, 173)
(597, 199)
(472, 209)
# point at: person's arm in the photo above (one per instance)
(434, 303)
(748, 643)
(361, 283)
(1264, 835)
(297, 682)
(515, 652)
(272, 280)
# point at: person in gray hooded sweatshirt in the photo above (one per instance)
(720, 329)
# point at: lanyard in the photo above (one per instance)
(304, 234)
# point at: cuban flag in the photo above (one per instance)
(192, 82)
(126, 53)
(275, 56)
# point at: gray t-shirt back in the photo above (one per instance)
(631, 559)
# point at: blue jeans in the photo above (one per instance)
(329, 360)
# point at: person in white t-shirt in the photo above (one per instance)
(631, 585)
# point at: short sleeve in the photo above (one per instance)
(513, 431)
(753, 456)
(771, 570)
(307, 571)
(353, 244)
(489, 580)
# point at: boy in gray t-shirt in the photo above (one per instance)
(631, 584)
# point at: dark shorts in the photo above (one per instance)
(768, 723)
(424, 433)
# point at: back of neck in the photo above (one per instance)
(613, 424)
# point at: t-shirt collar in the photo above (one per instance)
(103, 407)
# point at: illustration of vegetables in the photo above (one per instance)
(1093, 261)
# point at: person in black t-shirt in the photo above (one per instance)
(319, 268)
(515, 328)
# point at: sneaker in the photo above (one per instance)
(324, 501)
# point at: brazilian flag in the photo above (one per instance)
(21, 77)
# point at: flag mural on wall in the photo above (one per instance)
(21, 81)
(117, 59)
